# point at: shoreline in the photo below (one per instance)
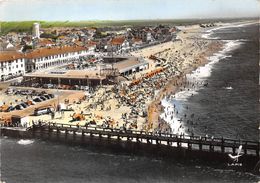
(155, 109)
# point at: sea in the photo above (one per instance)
(227, 106)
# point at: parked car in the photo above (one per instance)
(46, 96)
(43, 110)
(19, 107)
(10, 108)
(43, 98)
(24, 105)
(37, 99)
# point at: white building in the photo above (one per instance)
(36, 30)
(44, 58)
(12, 64)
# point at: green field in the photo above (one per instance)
(26, 26)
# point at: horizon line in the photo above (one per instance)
(119, 20)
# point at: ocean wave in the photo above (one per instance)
(229, 88)
(169, 116)
(25, 142)
(209, 32)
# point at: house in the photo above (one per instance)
(12, 64)
(118, 44)
(145, 34)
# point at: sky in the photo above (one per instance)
(77, 10)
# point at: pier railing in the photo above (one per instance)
(223, 145)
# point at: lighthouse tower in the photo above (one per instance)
(36, 30)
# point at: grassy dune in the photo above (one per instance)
(26, 26)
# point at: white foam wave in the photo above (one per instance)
(184, 95)
(25, 142)
(229, 88)
(208, 32)
(170, 118)
(205, 71)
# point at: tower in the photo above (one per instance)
(36, 30)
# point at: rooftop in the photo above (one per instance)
(43, 52)
(70, 74)
(10, 55)
(128, 64)
(117, 40)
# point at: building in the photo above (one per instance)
(44, 58)
(66, 78)
(36, 30)
(12, 64)
(127, 65)
(105, 73)
(144, 34)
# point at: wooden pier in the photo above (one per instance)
(221, 145)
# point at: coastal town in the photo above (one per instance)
(110, 78)
(129, 91)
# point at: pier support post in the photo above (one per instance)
(200, 146)
(189, 146)
(178, 142)
(137, 140)
(222, 146)
(41, 131)
(245, 148)
(211, 147)
(168, 143)
(234, 149)
(257, 150)
(57, 132)
(82, 135)
(66, 133)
